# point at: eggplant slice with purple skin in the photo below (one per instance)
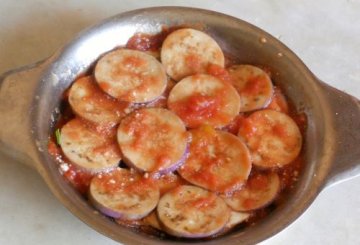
(253, 85)
(272, 137)
(153, 140)
(192, 212)
(235, 219)
(88, 149)
(187, 51)
(204, 99)
(89, 102)
(218, 161)
(131, 76)
(124, 194)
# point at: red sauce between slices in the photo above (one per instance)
(247, 127)
(288, 174)
(219, 72)
(105, 86)
(249, 203)
(169, 182)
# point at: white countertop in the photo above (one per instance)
(324, 34)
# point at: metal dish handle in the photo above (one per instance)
(345, 111)
(17, 91)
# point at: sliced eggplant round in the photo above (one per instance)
(91, 103)
(204, 99)
(87, 148)
(254, 86)
(187, 51)
(153, 140)
(190, 211)
(273, 138)
(260, 190)
(124, 194)
(131, 75)
(218, 161)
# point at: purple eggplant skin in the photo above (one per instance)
(114, 196)
(104, 210)
(114, 213)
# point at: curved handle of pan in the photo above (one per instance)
(346, 122)
(17, 88)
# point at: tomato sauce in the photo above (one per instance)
(203, 174)
(134, 62)
(197, 108)
(247, 127)
(140, 185)
(279, 130)
(79, 179)
(259, 182)
(219, 72)
(202, 202)
(255, 86)
(162, 159)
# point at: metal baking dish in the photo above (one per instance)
(30, 99)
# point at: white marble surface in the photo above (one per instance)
(325, 34)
